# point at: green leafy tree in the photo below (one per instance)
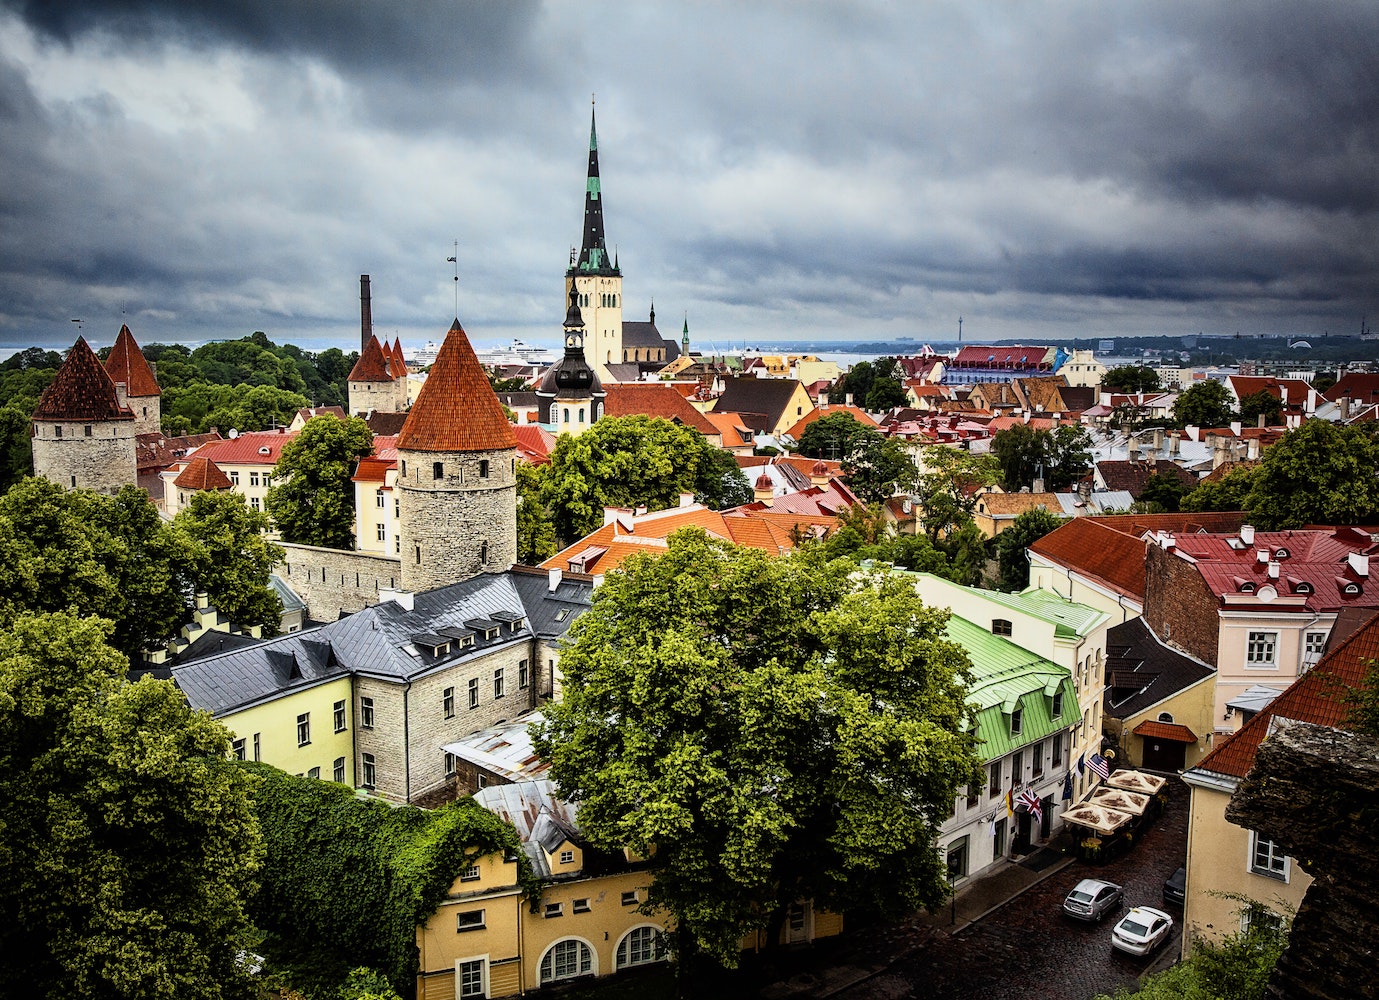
(535, 526)
(1011, 544)
(856, 382)
(94, 554)
(887, 388)
(948, 485)
(1162, 494)
(1206, 404)
(763, 730)
(1227, 493)
(16, 445)
(1263, 403)
(624, 462)
(1132, 379)
(968, 552)
(1320, 473)
(878, 468)
(834, 436)
(128, 842)
(312, 497)
(719, 482)
(230, 559)
(1023, 452)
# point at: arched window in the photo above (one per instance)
(1166, 717)
(581, 414)
(640, 946)
(567, 959)
(567, 414)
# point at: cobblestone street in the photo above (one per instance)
(1025, 948)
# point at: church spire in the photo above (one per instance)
(593, 254)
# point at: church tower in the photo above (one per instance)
(596, 279)
(135, 383)
(457, 475)
(571, 395)
(83, 437)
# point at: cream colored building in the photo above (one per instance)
(1082, 369)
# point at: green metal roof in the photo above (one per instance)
(1069, 619)
(1006, 676)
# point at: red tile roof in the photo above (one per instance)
(253, 448)
(1314, 697)
(856, 413)
(1138, 525)
(1361, 387)
(1094, 550)
(654, 399)
(534, 443)
(127, 364)
(202, 474)
(372, 365)
(1165, 731)
(400, 366)
(81, 390)
(456, 409)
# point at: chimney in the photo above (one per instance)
(365, 313)
(1259, 420)
(1038, 486)
(1344, 404)
(553, 578)
(1262, 555)
(847, 399)
(1132, 449)
(686, 499)
(403, 598)
(1247, 534)
(1359, 562)
(1235, 426)
(1273, 570)
(203, 600)
(1175, 440)
(640, 510)
(823, 401)
(1158, 439)
(1054, 420)
(1252, 447)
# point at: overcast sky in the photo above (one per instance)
(797, 170)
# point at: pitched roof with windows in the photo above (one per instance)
(797, 430)
(1092, 549)
(1141, 671)
(251, 448)
(1014, 504)
(766, 396)
(1070, 620)
(543, 819)
(126, 363)
(81, 390)
(456, 409)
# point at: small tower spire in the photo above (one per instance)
(684, 337)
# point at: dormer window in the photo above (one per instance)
(1016, 721)
(1000, 626)
(1302, 587)
(1247, 587)
(1281, 553)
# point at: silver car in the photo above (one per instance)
(1141, 930)
(1091, 899)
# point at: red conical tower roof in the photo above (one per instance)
(401, 367)
(81, 390)
(127, 364)
(372, 365)
(457, 409)
(202, 474)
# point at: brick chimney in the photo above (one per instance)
(365, 313)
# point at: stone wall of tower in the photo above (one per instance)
(459, 524)
(147, 410)
(95, 456)
(602, 318)
(385, 397)
(335, 582)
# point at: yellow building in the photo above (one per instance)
(307, 732)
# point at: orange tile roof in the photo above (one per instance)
(127, 364)
(254, 448)
(1165, 731)
(372, 365)
(654, 399)
(456, 409)
(202, 474)
(374, 468)
(860, 415)
(1007, 504)
(1091, 548)
(1314, 697)
(81, 390)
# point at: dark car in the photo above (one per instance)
(1091, 899)
(1175, 889)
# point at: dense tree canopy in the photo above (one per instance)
(834, 436)
(231, 558)
(948, 485)
(312, 497)
(1162, 493)
(1320, 473)
(765, 730)
(535, 526)
(128, 842)
(887, 387)
(1011, 544)
(1206, 404)
(878, 468)
(1227, 493)
(1262, 403)
(1061, 455)
(1132, 379)
(627, 461)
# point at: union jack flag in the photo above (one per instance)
(1031, 802)
(1098, 764)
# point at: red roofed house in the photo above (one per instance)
(83, 433)
(200, 474)
(246, 459)
(377, 381)
(1297, 395)
(656, 399)
(826, 409)
(135, 383)
(1224, 860)
(376, 500)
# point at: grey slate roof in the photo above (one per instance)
(637, 333)
(624, 371)
(380, 641)
(1141, 671)
(504, 750)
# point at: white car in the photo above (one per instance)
(1141, 930)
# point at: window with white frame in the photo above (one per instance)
(303, 729)
(474, 692)
(253, 479)
(1036, 756)
(366, 712)
(498, 683)
(1267, 858)
(566, 960)
(1261, 649)
(555, 910)
(522, 680)
(1261, 919)
(379, 499)
(580, 905)
(339, 714)
(471, 978)
(470, 873)
(450, 763)
(640, 946)
(338, 772)
(1314, 644)
(448, 702)
(370, 770)
(469, 920)
(567, 857)
(1056, 710)
(238, 747)
(381, 532)
(1016, 721)
(254, 502)
(993, 783)
(1058, 750)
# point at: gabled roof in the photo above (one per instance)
(1133, 476)
(640, 333)
(456, 409)
(126, 363)
(372, 365)
(386, 424)
(654, 399)
(1362, 387)
(307, 412)
(154, 452)
(81, 390)
(768, 396)
(797, 430)
(543, 819)
(1014, 504)
(1291, 391)
(1141, 671)
(734, 433)
(1314, 697)
(534, 443)
(202, 474)
(504, 750)
(250, 448)
(1109, 557)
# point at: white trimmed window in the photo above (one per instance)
(469, 920)
(470, 980)
(640, 946)
(1314, 644)
(1267, 858)
(303, 729)
(366, 712)
(1261, 649)
(370, 770)
(566, 960)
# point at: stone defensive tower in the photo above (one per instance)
(457, 475)
(378, 381)
(83, 436)
(136, 384)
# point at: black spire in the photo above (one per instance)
(593, 254)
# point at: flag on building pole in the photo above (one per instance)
(1098, 764)
(1082, 764)
(1010, 803)
(1032, 804)
(992, 831)
(1068, 787)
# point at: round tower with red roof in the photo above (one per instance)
(378, 381)
(135, 383)
(83, 434)
(457, 475)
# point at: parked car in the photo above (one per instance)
(1141, 930)
(1175, 888)
(1091, 899)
